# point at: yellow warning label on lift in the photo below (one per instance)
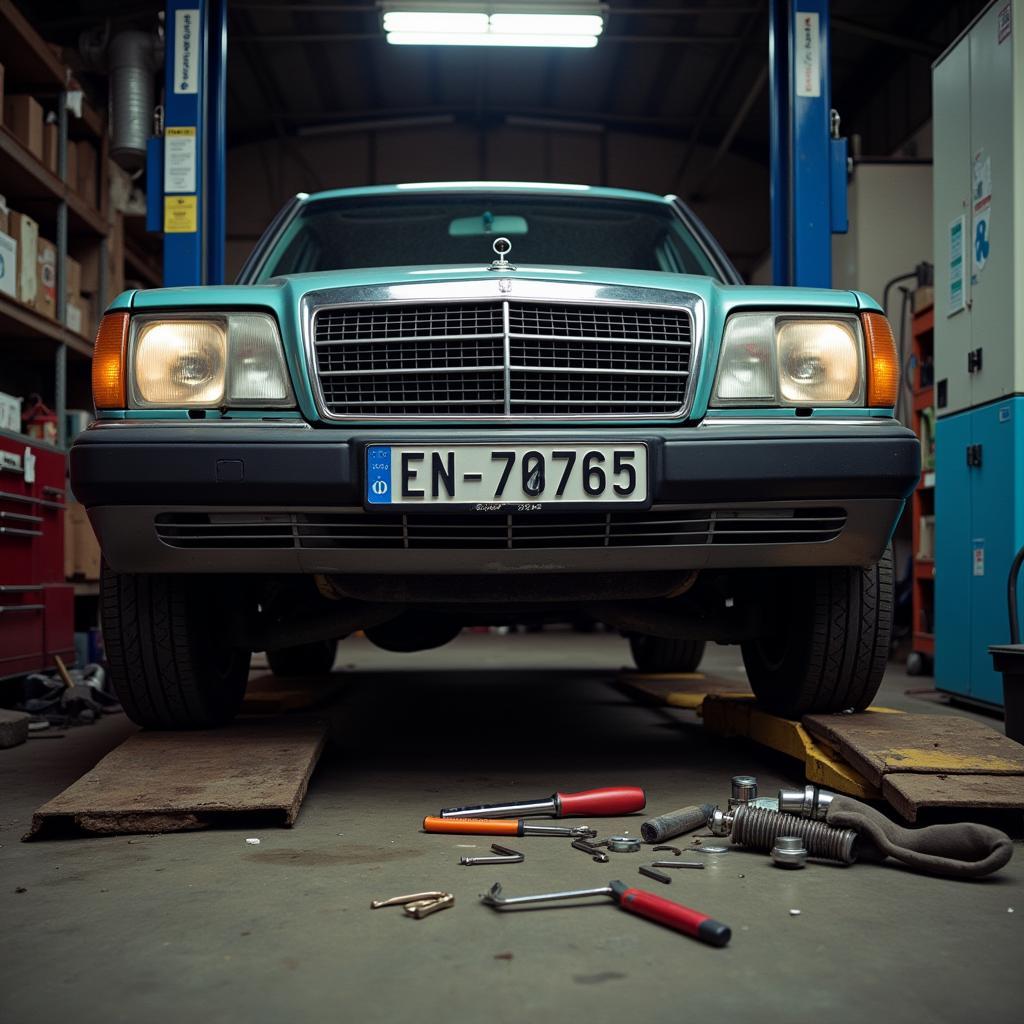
(180, 214)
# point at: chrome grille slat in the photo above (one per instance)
(658, 527)
(502, 359)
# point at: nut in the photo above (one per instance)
(789, 852)
(623, 844)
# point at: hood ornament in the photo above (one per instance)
(502, 247)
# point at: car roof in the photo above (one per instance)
(539, 187)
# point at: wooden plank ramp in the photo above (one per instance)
(928, 761)
(253, 770)
(911, 761)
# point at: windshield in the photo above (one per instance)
(397, 230)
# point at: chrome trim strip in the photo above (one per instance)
(507, 357)
(505, 290)
(192, 423)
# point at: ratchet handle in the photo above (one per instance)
(609, 801)
(474, 826)
(672, 915)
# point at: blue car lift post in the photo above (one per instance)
(808, 159)
(186, 165)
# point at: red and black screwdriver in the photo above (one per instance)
(610, 801)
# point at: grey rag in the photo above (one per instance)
(954, 851)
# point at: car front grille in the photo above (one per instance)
(657, 527)
(503, 360)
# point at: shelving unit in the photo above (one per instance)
(39, 352)
(30, 341)
(922, 508)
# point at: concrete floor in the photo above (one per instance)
(203, 926)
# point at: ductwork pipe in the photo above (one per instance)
(135, 58)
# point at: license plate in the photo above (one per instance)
(506, 477)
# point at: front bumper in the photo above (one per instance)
(127, 475)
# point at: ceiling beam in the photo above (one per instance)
(912, 44)
(709, 100)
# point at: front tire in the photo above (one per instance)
(660, 654)
(831, 641)
(313, 659)
(170, 663)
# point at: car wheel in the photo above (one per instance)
(659, 654)
(170, 663)
(315, 659)
(831, 641)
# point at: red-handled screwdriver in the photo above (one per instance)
(611, 800)
(636, 901)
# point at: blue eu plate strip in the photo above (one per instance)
(378, 475)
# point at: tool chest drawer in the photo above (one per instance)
(22, 619)
(32, 493)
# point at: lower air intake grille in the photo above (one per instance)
(658, 527)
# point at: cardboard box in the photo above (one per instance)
(46, 278)
(76, 316)
(24, 117)
(85, 182)
(81, 549)
(8, 265)
(87, 255)
(10, 413)
(50, 147)
(25, 231)
(72, 277)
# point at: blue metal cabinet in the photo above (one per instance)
(978, 219)
(980, 527)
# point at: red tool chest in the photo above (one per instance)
(36, 605)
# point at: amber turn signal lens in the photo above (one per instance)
(108, 362)
(883, 361)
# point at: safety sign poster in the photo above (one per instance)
(981, 207)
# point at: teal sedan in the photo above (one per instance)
(429, 406)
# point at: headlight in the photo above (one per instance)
(207, 362)
(785, 359)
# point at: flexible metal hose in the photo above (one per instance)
(758, 828)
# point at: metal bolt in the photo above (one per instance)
(744, 788)
(789, 852)
(811, 802)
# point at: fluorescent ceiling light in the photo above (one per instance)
(435, 21)
(487, 39)
(417, 27)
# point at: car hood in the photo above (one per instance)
(281, 294)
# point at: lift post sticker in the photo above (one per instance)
(807, 59)
(180, 159)
(180, 214)
(981, 208)
(186, 51)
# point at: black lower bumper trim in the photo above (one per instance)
(167, 466)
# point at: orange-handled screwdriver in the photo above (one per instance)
(504, 827)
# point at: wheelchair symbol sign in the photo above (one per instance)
(982, 240)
